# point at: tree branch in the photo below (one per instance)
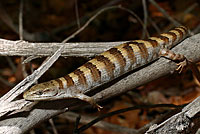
(24, 48)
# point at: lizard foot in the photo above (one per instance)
(88, 99)
(98, 107)
(181, 65)
(94, 104)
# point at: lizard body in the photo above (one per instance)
(108, 66)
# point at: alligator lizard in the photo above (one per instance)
(108, 66)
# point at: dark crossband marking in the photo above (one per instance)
(138, 55)
(153, 42)
(164, 38)
(171, 55)
(81, 77)
(147, 44)
(173, 35)
(88, 75)
(178, 33)
(60, 83)
(152, 52)
(109, 66)
(75, 79)
(120, 58)
(143, 50)
(158, 40)
(96, 74)
(130, 52)
(126, 56)
(183, 29)
(69, 80)
(102, 68)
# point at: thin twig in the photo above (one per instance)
(21, 20)
(78, 118)
(74, 23)
(84, 127)
(190, 8)
(101, 124)
(196, 30)
(77, 14)
(8, 21)
(88, 22)
(154, 25)
(136, 16)
(176, 23)
(21, 35)
(97, 14)
(53, 126)
(145, 18)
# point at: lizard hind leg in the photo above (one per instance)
(183, 61)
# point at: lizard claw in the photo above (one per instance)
(94, 104)
(181, 65)
(98, 107)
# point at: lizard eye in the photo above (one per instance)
(39, 93)
(48, 92)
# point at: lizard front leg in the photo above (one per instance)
(83, 97)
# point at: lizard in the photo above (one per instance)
(109, 65)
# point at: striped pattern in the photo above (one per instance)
(117, 61)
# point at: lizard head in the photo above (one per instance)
(43, 91)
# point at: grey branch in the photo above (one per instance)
(45, 110)
(23, 48)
